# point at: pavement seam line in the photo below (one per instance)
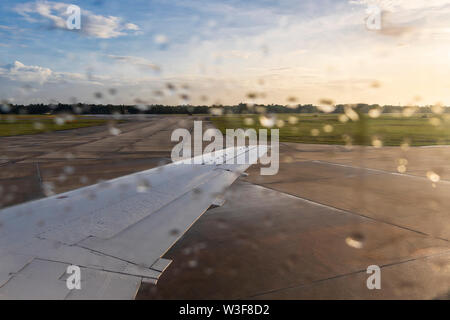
(348, 212)
(348, 274)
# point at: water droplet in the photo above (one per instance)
(69, 169)
(186, 251)
(98, 95)
(433, 176)
(437, 108)
(292, 99)
(374, 113)
(268, 122)
(248, 121)
(252, 95)
(84, 180)
(184, 97)
(355, 240)
(376, 142)
(405, 146)
(48, 188)
(328, 128)
(170, 86)
(326, 105)
(143, 186)
(5, 108)
(351, 114)
(38, 125)
(435, 121)
(59, 121)
(114, 131)
(192, 263)
(162, 41)
(343, 118)
(375, 84)
(408, 111)
(209, 271)
(216, 111)
(293, 120)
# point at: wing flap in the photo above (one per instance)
(82, 257)
(96, 284)
(38, 280)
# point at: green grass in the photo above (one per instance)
(13, 125)
(392, 130)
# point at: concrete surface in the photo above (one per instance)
(308, 232)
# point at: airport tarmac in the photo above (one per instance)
(65, 160)
(309, 232)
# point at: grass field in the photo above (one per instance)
(389, 130)
(12, 125)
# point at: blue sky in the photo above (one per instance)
(222, 50)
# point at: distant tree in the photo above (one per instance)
(241, 108)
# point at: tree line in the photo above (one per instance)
(81, 108)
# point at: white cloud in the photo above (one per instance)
(93, 25)
(136, 61)
(17, 71)
(411, 17)
(131, 26)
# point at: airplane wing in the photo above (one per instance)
(116, 231)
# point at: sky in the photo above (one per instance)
(225, 52)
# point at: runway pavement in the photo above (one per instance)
(309, 232)
(65, 160)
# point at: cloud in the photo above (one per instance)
(410, 17)
(17, 71)
(92, 25)
(131, 26)
(28, 74)
(236, 54)
(136, 61)
(20, 72)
